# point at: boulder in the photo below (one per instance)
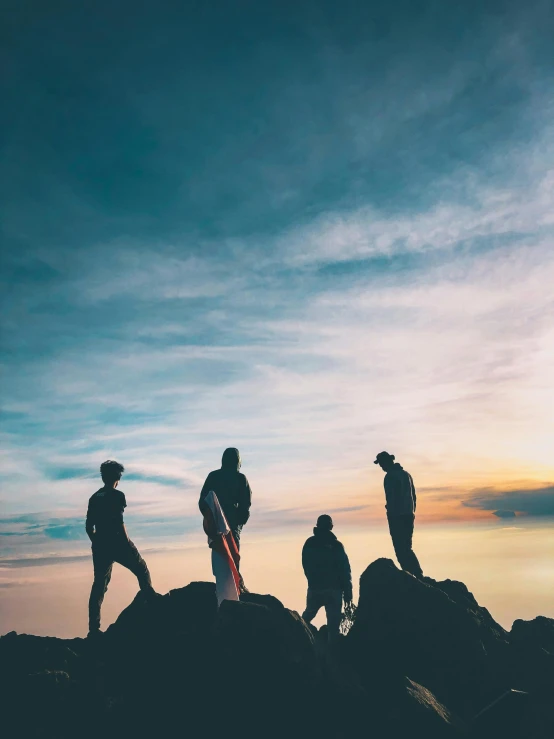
(537, 634)
(435, 634)
(270, 653)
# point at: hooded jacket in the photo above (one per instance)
(400, 492)
(326, 564)
(232, 490)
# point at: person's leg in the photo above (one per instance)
(401, 530)
(313, 604)
(411, 560)
(333, 609)
(128, 556)
(102, 564)
(395, 528)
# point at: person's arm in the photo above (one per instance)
(414, 497)
(123, 531)
(89, 523)
(391, 490)
(305, 559)
(244, 501)
(205, 490)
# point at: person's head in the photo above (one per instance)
(111, 473)
(324, 523)
(231, 458)
(385, 461)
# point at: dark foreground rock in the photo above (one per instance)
(423, 659)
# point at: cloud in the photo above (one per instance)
(68, 531)
(367, 265)
(158, 479)
(71, 473)
(43, 525)
(366, 234)
(508, 503)
(41, 561)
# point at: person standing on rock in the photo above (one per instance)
(232, 490)
(401, 507)
(327, 570)
(110, 541)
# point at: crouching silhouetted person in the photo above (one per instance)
(327, 570)
(110, 542)
(401, 506)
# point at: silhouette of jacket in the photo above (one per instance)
(325, 563)
(400, 492)
(232, 490)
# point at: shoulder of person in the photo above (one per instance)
(310, 542)
(95, 496)
(394, 473)
(121, 497)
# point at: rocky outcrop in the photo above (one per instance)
(423, 659)
(535, 634)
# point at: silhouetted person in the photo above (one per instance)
(110, 542)
(327, 570)
(401, 506)
(232, 490)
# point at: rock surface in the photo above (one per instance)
(423, 659)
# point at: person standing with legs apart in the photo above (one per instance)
(327, 570)
(401, 507)
(110, 542)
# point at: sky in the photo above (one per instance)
(310, 230)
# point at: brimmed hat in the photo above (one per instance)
(382, 456)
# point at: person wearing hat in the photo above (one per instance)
(401, 506)
(327, 570)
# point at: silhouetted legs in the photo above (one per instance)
(103, 557)
(331, 600)
(402, 530)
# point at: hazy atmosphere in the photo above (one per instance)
(309, 230)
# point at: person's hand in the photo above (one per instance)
(348, 598)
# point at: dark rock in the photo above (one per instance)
(506, 717)
(438, 637)
(538, 633)
(422, 709)
(421, 660)
(271, 654)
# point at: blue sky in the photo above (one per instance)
(309, 230)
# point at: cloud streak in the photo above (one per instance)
(509, 503)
